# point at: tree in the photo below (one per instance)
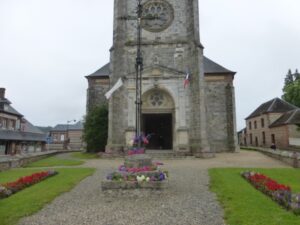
(289, 79)
(96, 129)
(291, 89)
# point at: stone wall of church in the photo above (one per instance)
(96, 91)
(221, 114)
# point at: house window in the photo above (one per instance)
(250, 125)
(18, 125)
(62, 137)
(255, 124)
(1, 123)
(264, 138)
(55, 137)
(256, 141)
(262, 122)
(12, 124)
(5, 123)
(251, 140)
(273, 138)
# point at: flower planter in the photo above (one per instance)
(138, 172)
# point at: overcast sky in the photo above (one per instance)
(48, 46)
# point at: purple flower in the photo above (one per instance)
(122, 168)
(109, 177)
(161, 176)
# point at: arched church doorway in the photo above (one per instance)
(159, 128)
(158, 119)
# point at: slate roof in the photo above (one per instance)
(65, 127)
(21, 136)
(30, 133)
(210, 67)
(213, 67)
(275, 105)
(60, 127)
(102, 72)
(31, 128)
(8, 109)
(4, 100)
(12, 111)
(291, 117)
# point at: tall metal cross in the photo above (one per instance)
(139, 68)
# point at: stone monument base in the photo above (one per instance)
(138, 172)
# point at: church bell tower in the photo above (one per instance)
(175, 115)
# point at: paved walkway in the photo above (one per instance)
(188, 200)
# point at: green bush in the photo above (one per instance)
(96, 129)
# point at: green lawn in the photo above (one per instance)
(54, 161)
(244, 205)
(32, 199)
(84, 155)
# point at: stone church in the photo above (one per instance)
(195, 120)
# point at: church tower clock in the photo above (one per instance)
(196, 119)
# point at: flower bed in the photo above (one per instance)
(123, 180)
(13, 187)
(138, 177)
(280, 193)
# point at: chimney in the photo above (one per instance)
(2, 93)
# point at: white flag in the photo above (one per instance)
(114, 88)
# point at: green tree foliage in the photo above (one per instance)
(291, 89)
(95, 129)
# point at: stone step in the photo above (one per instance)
(164, 154)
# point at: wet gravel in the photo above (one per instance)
(187, 201)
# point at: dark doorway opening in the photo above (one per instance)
(159, 126)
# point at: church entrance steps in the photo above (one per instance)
(163, 154)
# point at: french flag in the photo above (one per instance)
(187, 79)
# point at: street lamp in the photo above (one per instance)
(139, 67)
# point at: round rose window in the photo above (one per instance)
(158, 15)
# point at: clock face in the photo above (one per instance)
(158, 15)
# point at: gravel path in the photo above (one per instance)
(187, 201)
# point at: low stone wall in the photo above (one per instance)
(8, 162)
(292, 158)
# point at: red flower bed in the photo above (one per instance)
(280, 193)
(12, 187)
(265, 183)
